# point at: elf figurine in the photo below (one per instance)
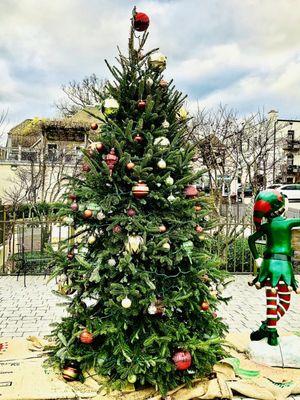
(275, 268)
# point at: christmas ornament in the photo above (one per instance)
(111, 262)
(215, 315)
(169, 181)
(138, 139)
(202, 237)
(156, 308)
(152, 309)
(165, 124)
(110, 107)
(163, 83)
(132, 378)
(111, 160)
(142, 104)
(149, 82)
(117, 229)
(74, 206)
(161, 141)
(204, 306)
(72, 196)
(86, 167)
(87, 214)
(70, 256)
(92, 239)
(100, 215)
(162, 164)
(191, 191)
(157, 61)
(171, 198)
(134, 244)
(86, 337)
(182, 114)
(70, 372)
(182, 360)
(166, 246)
(205, 278)
(140, 190)
(94, 126)
(162, 228)
(130, 165)
(131, 212)
(141, 22)
(198, 208)
(199, 229)
(126, 303)
(95, 146)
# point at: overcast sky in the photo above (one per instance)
(242, 53)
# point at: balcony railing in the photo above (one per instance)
(292, 145)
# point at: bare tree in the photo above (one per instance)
(78, 95)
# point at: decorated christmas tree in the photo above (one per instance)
(138, 271)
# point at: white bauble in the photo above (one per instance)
(111, 262)
(100, 216)
(182, 114)
(162, 141)
(162, 164)
(126, 303)
(91, 239)
(165, 124)
(63, 278)
(157, 61)
(171, 198)
(110, 106)
(149, 82)
(152, 309)
(169, 181)
(166, 246)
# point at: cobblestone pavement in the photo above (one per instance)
(30, 310)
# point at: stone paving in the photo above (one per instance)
(30, 310)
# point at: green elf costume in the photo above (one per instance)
(275, 268)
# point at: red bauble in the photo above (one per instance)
(131, 212)
(87, 214)
(86, 167)
(198, 208)
(70, 256)
(140, 190)
(162, 228)
(72, 196)
(117, 229)
(111, 160)
(138, 139)
(191, 191)
(130, 165)
(99, 147)
(70, 372)
(182, 360)
(86, 337)
(94, 126)
(74, 206)
(141, 22)
(163, 83)
(141, 104)
(215, 315)
(204, 306)
(199, 229)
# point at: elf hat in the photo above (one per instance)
(269, 204)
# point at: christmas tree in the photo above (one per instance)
(138, 270)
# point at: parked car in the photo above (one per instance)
(248, 191)
(290, 190)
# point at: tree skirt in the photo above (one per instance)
(23, 377)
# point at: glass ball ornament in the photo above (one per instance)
(110, 107)
(161, 141)
(91, 239)
(149, 82)
(162, 164)
(141, 22)
(169, 181)
(182, 114)
(166, 246)
(165, 124)
(100, 216)
(157, 61)
(134, 244)
(152, 309)
(126, 303)
(111, 262)
(171, 198)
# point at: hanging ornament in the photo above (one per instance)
(134, 244)
(126, 303)
(70, 372)
(72, 197)
(149, 82)
(166, 246)
(202, 237)
(198, 208)
(191, 191)
(117, 229)
(162, 228)
(131, 212)
(205, 278)
(140, 190)
(74, 206)
(87, 214)
(141, 104)
(86, 337)
(86, 167)
(204, 306)
(163, 83)
(92, 239)
(156, 308)
(182, 114)
(161, 141)
(95, 147)
(171, 198)
(112, 262)
(94, 126)
(132, 378)
(199, 229)
(157, 61)
(182, 360)
(141, 22)
(169, 181)
(100, 215)
(130, 165)
(138, 139)
(111, 160)
(70, 256)
(165, 124)
(110, 107)
(162, 164)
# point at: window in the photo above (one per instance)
(290, 159)
(291, 134)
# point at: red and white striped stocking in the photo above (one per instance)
(271, 307)
(284, 296)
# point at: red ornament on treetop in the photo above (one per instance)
(111, 160)
(141, 21)
(182, 360)
(140, 190)
(86, 337)
(191, 191)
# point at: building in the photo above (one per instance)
(287, 133)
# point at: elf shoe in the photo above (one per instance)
(272, 337)
(261, 333)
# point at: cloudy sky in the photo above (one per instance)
(245, 54)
